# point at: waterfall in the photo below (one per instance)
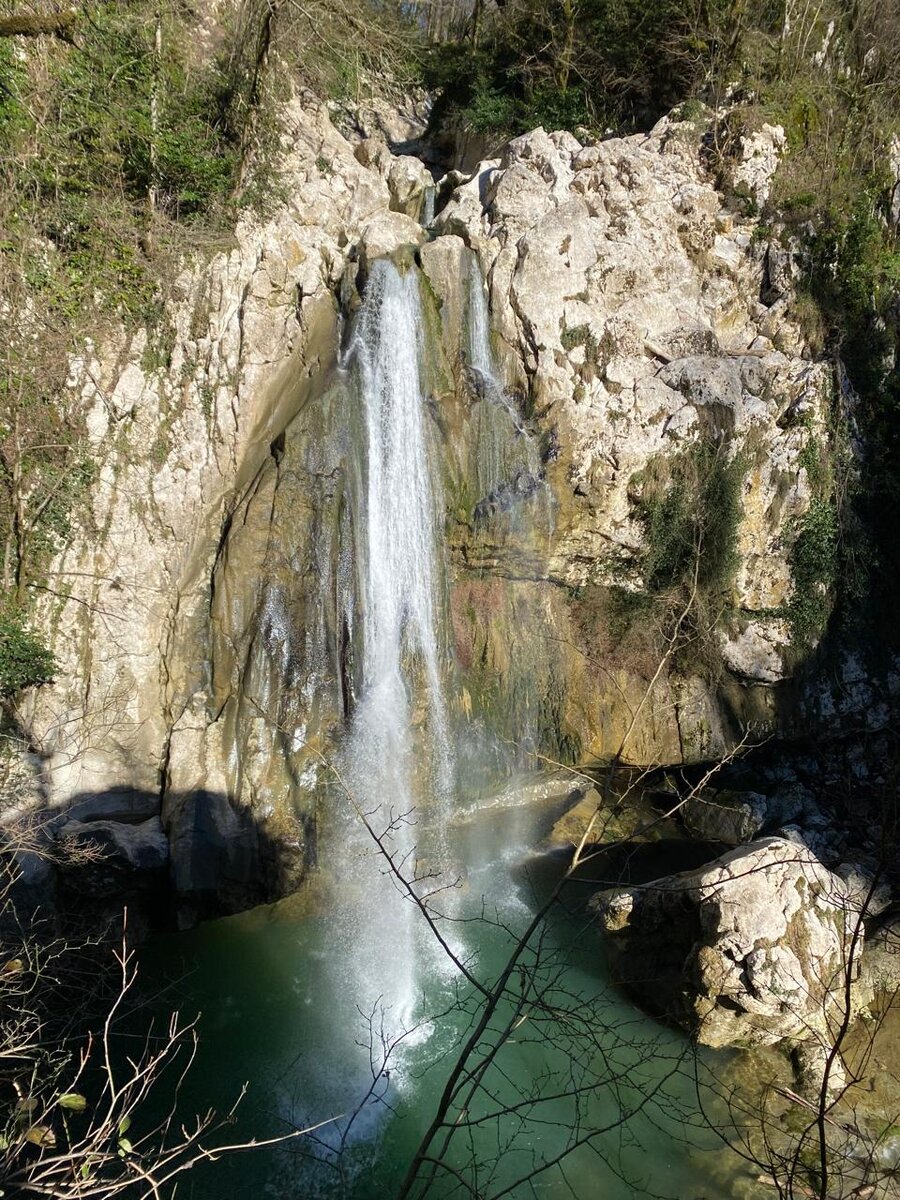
(428, 206)
(398, 554)
(508, 463)
(387, 772)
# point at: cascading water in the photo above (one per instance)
(324, 1006)
(389, 779)
(508, 464)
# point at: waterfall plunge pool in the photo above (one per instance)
(281, 1012)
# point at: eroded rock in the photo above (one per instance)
(140, 847)
(730, 817)
(752, 949)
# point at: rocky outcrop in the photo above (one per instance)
(634, 306)
(735, 817)
(636, 318)
(141, 847)
(750, 950)
(184, 423)
(626, 295)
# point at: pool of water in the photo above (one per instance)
(569, 1090)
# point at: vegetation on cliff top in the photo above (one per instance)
(132, 134)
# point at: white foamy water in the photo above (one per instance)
(394, 775)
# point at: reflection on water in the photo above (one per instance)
(564, 1056)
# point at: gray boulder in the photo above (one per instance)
(736, 817)
(140, 848)
(128, 805)
(750, 950)
(725, 816)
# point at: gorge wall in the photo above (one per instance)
(641, 326)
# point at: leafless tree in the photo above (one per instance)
(80, 1117)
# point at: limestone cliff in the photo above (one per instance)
(636, 318)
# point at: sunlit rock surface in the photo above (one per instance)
(753, 949)
(633, 315)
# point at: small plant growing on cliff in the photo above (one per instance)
(814, 558)
(582, 335)
(24, 660)
(690, 510)
(689, 507)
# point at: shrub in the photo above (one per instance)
(689, 507)
(24, 660)
(690, 510)
(563, 64)
(814, 560)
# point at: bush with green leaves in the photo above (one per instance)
(814, 562)
(690, 507)
(114, 123)
(690, 510)
(24, 659)
(581, 62)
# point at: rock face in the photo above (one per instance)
(730, 817)
(750, 950)
(203, 665)
(627, 298)
(184, 422)
(736, 817)
(637, 312)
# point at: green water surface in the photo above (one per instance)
(582, 1065)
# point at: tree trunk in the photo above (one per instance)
(155, 86)
(34, 25)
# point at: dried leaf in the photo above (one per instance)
(41, 1135)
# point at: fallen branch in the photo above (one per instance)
(39, 25)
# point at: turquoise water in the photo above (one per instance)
(565, 1060)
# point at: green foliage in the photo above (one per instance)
(814, 561)
(855, 262)
(690, 510)
(24, 660)
(691, 110)
(13, 116)
(582, 335)
(582, 62)
(814, 460)
(104, 127)
(671, 532)
(114, 125)
(854, 279)
(490, 109)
